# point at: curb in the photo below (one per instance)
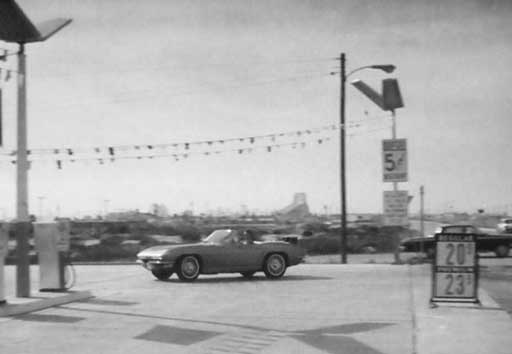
(23, 308)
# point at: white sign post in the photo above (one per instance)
(396, 206)
(394, 158)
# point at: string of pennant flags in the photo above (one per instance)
(113, 150)
(6, 74)
(182, 146)
(179, 156)
(152, 153)
(182, 156)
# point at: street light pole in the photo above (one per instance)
(388, 68)
(16, 27)
(343, 199)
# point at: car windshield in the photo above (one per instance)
(218, 236)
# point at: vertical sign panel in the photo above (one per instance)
(394, 159)
(455, 269)
(396, 205)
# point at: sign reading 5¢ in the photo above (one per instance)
(394, 159)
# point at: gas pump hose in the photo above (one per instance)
(69, 272)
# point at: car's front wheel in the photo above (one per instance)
(188, 268)
(162, 274)
(275, 266)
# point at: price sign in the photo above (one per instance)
(455, 269)
(394, 158)
(455, 285)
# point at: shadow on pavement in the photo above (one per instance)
(240, 279)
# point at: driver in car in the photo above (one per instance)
(248, 237)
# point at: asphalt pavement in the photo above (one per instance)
(316, 308)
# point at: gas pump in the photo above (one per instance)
(52, 245)
(4, 238)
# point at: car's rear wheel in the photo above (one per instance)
(247, 275)
(162, 274)
(188, 268)
(502, 251)
(275, 266)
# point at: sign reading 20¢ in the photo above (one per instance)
(455, 270)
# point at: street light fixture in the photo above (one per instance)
(388, 68)
(15, 27)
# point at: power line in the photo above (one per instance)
(139, 95)
(133, 69)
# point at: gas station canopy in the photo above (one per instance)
(16, 27)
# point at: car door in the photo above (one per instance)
(238, 255)
(244, 256)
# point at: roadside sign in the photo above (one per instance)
(394, 159)
(455, 269)
(396, 207)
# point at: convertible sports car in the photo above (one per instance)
(223, 251)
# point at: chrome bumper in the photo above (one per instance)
(152, 264)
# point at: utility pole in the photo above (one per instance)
(343, 196)
(422, 216)
(343, 78)
(395, 188)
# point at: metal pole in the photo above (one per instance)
(21, 153)
(422, 217)
(1, 118)
(23, 262)
(393, 136)
(343, 199)
(395, 188)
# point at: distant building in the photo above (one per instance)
(298, 210)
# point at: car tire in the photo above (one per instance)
(188, 268)
(162, 274)
(502, 251)
(274, 266)
(247, 275)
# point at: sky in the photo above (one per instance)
(162, 72)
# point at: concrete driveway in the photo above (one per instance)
(364, 309)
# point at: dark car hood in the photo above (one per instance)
(417, 238)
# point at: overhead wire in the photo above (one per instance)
(149, 68)
(137, 96)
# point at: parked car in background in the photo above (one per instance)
(499, 244)
(504, 226)
(223, 251)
